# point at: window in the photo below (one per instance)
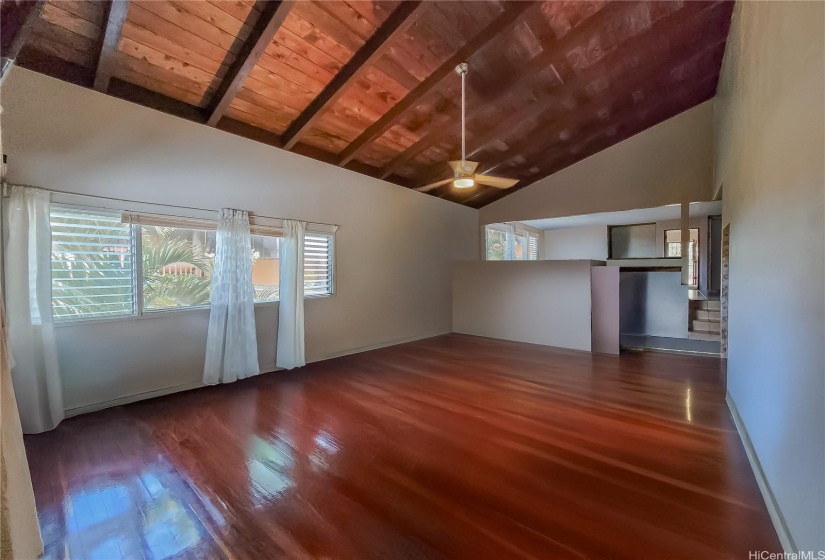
(523, 243)
(496, 243)
(177, 266)
(266, 250)
(92, 264)
(317, 264)
(98, 257)
(673, 249)
(266, 269)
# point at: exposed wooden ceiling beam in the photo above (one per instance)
(550, 56)
(616, 59)
(399, 21)
(272, 17)
(16, 21)
(115, 18)
(512, 11)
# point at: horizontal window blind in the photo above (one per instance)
(532, 247)
(92, 264)
(317, 264)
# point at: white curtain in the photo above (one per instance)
(19, 533)
(231, 345)
(291, 307)
(28, 265)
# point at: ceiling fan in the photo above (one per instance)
(464, 175)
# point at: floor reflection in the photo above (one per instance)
(270, 469)
(124, 516)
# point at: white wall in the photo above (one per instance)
(770, 130)
(542, 302)
(588, 242)
(394, 248)
(666, 164)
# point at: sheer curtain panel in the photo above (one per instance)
(28, 267)
(291, 307)
(231, 344)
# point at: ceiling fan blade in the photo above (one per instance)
(431, 186)
(468, 167)
(497, 182)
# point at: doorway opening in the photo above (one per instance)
(673, 248)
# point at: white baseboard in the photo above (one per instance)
(85, 409)
(381, 345)
(778, 519)
(69, 412)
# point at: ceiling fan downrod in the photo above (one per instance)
(461, 70)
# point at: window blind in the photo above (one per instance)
(532, 247)
(317, 264)
(92, 264)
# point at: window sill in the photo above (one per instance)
(161, 313)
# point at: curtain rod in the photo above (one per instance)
(6, 184)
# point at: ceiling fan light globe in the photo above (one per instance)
(464, 183)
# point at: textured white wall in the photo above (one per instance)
(771, 163)
(394, 248)
(666, 164)
(588, 242)
(543, 302)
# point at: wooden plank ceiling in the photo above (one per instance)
(369, 85)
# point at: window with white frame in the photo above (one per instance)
(93, 264)
(108, 263)
(510, 242)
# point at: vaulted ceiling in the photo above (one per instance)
(369, 85)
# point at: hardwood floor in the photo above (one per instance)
(451, 447)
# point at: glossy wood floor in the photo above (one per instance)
(452, 447)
